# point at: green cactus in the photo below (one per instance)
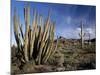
(37, 41)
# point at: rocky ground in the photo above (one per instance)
(68, 57)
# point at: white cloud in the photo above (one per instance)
(91, 31)
(78, 29)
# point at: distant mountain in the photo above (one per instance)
(93, 40)
(61, 37)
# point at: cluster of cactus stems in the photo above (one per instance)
(36, 43)
(82, 34)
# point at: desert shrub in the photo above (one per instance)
(28, 67)
(57, 59)
(14, 69)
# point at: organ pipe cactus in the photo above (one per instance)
(36, 43)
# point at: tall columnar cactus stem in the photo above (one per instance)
(50, 45)
(16, 28)
(44, 38)
(50, 49)
(82, 34)
(40, 34)
(53, 51)
(27, 23)
(46, 28)
(15, 23)
(17, 35)
(33, 34)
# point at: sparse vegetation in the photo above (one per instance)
(37, 51)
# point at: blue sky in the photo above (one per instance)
(67, 17)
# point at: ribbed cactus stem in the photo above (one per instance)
(33, 34)
(40, 34)
(27, 13)
(50, 45)
(46, 28)
(82, 36)
(17, 35)
(48, 52)
(40, 53)
(15, 22)
(44, 38)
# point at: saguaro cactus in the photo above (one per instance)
(82, 34)
(37, 42)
